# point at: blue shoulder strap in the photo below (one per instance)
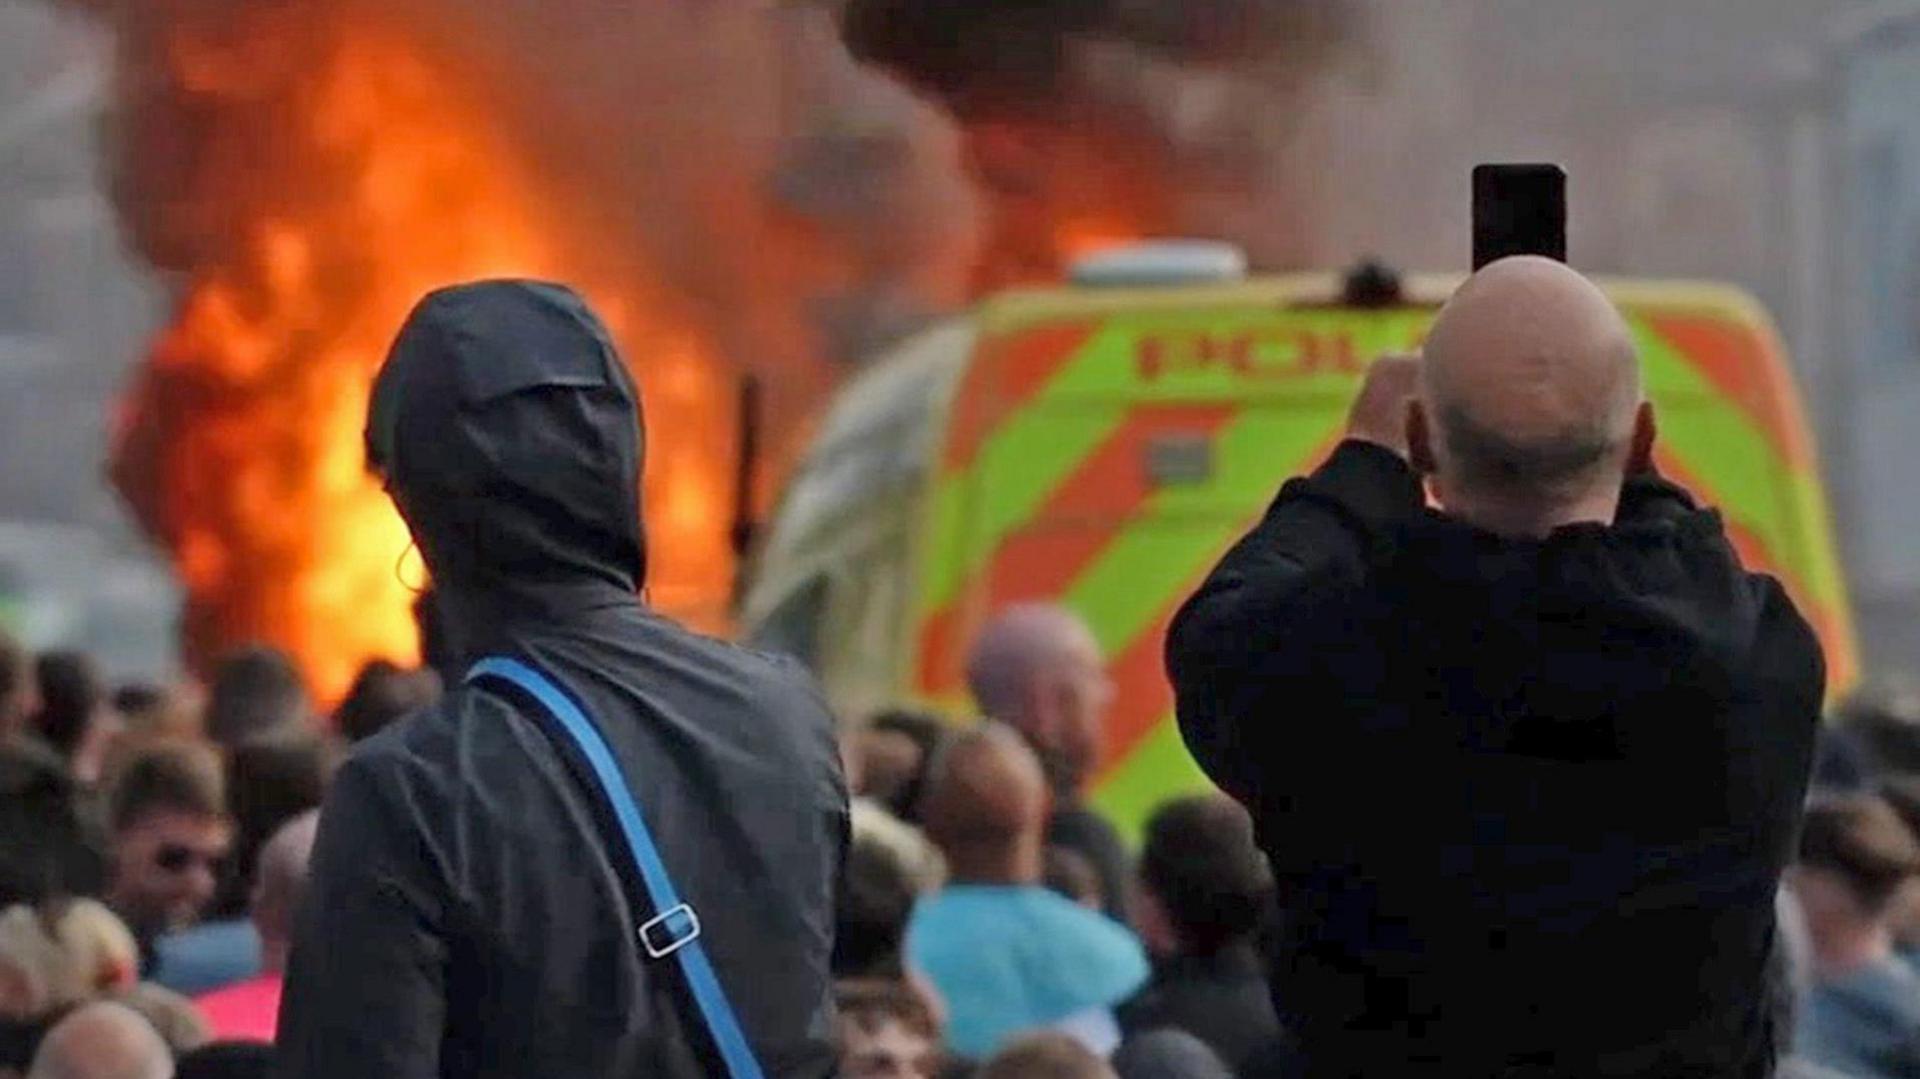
(674, 930)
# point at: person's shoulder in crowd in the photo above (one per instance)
(1865, 1024)
(1168, 1054)
(1223, 999)
(207, 956)
(1086, 832)
(1010, 958)
(778, 683)
(246, 1011)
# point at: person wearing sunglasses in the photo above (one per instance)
(170, 836)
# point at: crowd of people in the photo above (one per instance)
(987, 920)
(154, 845)
(156, 840)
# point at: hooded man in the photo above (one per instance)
(471, 909)
(1528, 770)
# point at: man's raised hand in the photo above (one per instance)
(1379, 414)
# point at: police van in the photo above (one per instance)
(1102, 444)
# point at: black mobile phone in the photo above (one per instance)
(1519, 210)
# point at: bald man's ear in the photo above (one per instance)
(1646, 432)
(1420, 440)
(1040, 715)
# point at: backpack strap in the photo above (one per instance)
(674, 929)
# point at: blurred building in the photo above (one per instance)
(1860, 172)
(74, 316)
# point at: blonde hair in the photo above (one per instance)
(907, 845)
(61, 954)
(36, 976)
(180, 1024)
(99, 945)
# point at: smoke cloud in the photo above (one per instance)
(1019, 55)
(1088, 121)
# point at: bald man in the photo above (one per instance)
(250, 1010)
(1037, 668)
(1528, 766)
(1007, 954)
(102, 1041)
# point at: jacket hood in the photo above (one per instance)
(508, 433)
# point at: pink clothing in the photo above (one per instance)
(245, 1012)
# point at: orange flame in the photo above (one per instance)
(310, 170)
(243, 451)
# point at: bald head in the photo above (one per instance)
(102, 1041)
(1037, 668)
(1530, 398)
(282, 880)
(986, 807)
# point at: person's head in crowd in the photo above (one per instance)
(74, 717)
(98, 944)
(890, 865)
(1856, 856)
(1168, 1054)
(60, 954)
(1902, 792)
(170, 835)
(173, 1016)
(152, 711)
(1840, 762)
(270, 781)
(986, 808)
(52, 841)
(226, 1060)
(1204, 883)
(1045, 1056)
(103, 1040)
(18, 696)
(876, 897)
(1069, 873)
(886, 1031)
(440, 464)
(1530, 412)
(279, 884)
(1037, 668)
(37, 975)
(1883, 721)
(382, 694)
(907, 843)
(895, 749)
(256, 691)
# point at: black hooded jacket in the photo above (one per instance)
(1527, 802)
(467, 915)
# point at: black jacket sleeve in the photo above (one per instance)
(1249, 625)
(365, 990)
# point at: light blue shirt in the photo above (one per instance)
(1010, 959)
(208, 956)
(1866, 1024)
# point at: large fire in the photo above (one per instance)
(304, 170)
(243, 448)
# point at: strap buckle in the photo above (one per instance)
(681, 926)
